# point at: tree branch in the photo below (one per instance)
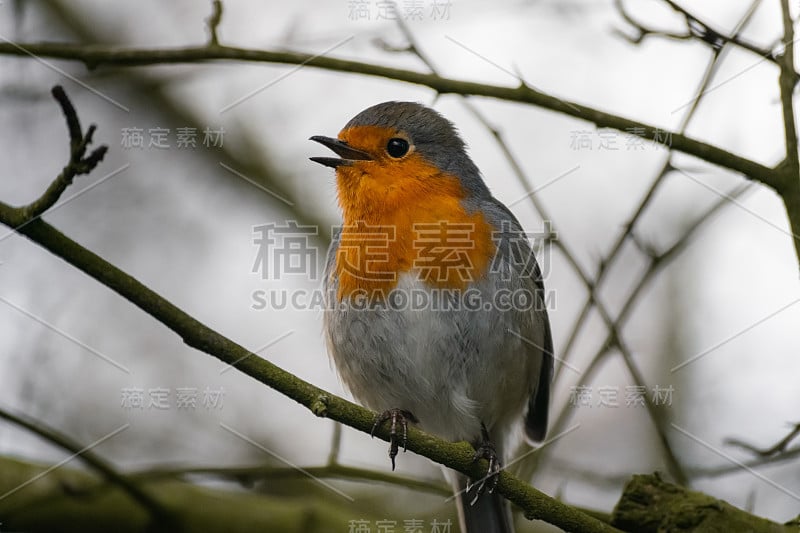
(77, 165)
(247, 475)
(642, 31)
(159, 515)
(650, 505)
(627, 233)
(786, 178)
(787, 81)
(778, 448)
(213, 22)
(696, 28)
(459, 456)
(788, 184)
(94, 56)
(656, 262)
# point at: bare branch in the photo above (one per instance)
(213, 22)
(77, 165)
(696, 28)
(336, 444)
(787, 82)
(611, 257)
(158, 513)
(789, 181)
(94, 56)
(655, 259)
(642, 31)
(778, 448)
(656, 264)
(248, 475)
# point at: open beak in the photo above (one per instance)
(347, 154)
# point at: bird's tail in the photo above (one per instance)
(490, 513)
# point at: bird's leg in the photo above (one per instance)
(486, 450)
(395, 415)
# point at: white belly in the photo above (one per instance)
(453, 369)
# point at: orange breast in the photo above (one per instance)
(406, 216)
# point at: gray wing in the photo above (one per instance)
(536, 417)
(539, 402)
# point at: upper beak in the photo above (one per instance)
(348, 153)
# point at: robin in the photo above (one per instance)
(436, 311)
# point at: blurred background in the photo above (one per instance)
(202, 155)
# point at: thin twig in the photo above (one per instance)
(247, 154)
(656, 264)
(696, 28)
(614, 253)
(158, 512)
(336, 444)
(628, 230)
(605, 480)
(79, 163)
(787, 82)
(251, 474)
(642, 31)
(213, 22)
(703, 31)
(779, 447)
(789, 168)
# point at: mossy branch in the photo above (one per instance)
(651, 505)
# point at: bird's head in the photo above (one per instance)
(394, 153)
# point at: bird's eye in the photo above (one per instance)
(397, 147)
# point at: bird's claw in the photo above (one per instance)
(488, 483)
(394, 415)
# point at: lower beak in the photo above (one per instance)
(347, 153)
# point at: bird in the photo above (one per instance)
(415, 280)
